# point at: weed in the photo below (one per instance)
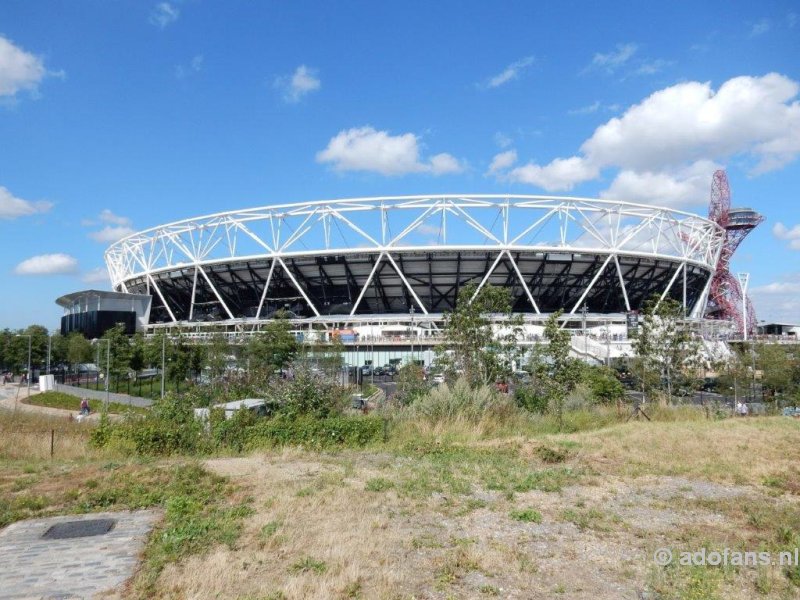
(526, 515)
(378, 484)
(308, 565)
(268, 530)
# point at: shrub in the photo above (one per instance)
(526, 515)
(531, 399)
(168, 428)
(308, 395)
(315, 433)
(460, 401)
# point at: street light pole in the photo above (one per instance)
(163, 362)
(28, 377)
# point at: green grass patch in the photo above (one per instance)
(69, 402)
(526, 515)
(378, 484)
(308, 565)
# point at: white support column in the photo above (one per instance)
(522, 281)
(685, 277)
(297, 285)
(744, 280)
(622, 284)
(216, 293)
(408, 285)
(266, 287)
(194, 292)
(700, 306)
(671, 282)
(152, 282)
(591, 284)
(366, 284)
(486, 277)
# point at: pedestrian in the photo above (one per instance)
(84, 406)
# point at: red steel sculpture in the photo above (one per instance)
(725, 295)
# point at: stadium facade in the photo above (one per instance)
(391, 264)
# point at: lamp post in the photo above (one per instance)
(108, 366)
(411, 333)
(163, 362)
(28, 376)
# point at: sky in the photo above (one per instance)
(119, 116)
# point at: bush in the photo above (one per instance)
(315, 433)
(308, 395)
(460, 401)
(168, 428)
(531, 399)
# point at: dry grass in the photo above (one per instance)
(26, 436)
(739, 451)
(436, 518)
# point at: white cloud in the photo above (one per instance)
(780, 231)
(12, 207)
(195, 66)
(443, 163)
(611, 61)
(778, 301)
(19, 70)
(684, 187)
(98, 275)
(429, 229)
(502, 161)
(302, 82)
(561, 174)
(760, 27)
(690, 121)
(502, 140)
(109, 234)
(366, 149)
(510, 73)
(106, 216)
(47, 264)
(116, 227)
(585, 110)
(755, 118)
(163, 14)
(651, 67)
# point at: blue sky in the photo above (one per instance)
(118, 116)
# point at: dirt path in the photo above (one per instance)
(14, 397)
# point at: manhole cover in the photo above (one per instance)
(77, 529)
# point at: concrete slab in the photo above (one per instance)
(81, 567)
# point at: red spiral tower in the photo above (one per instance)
(725, 296)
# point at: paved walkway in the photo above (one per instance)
(82, 567)
(80, 392)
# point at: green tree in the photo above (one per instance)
(555, 372)
(217, 356)
(411, 384)
(120, 346)
(472, 344)
(664, 344)
(59, 348)
(603, 384)
(273, 347)
(138, 353)
(79, 350)
(776, 368)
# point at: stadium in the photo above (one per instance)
(382, 268)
